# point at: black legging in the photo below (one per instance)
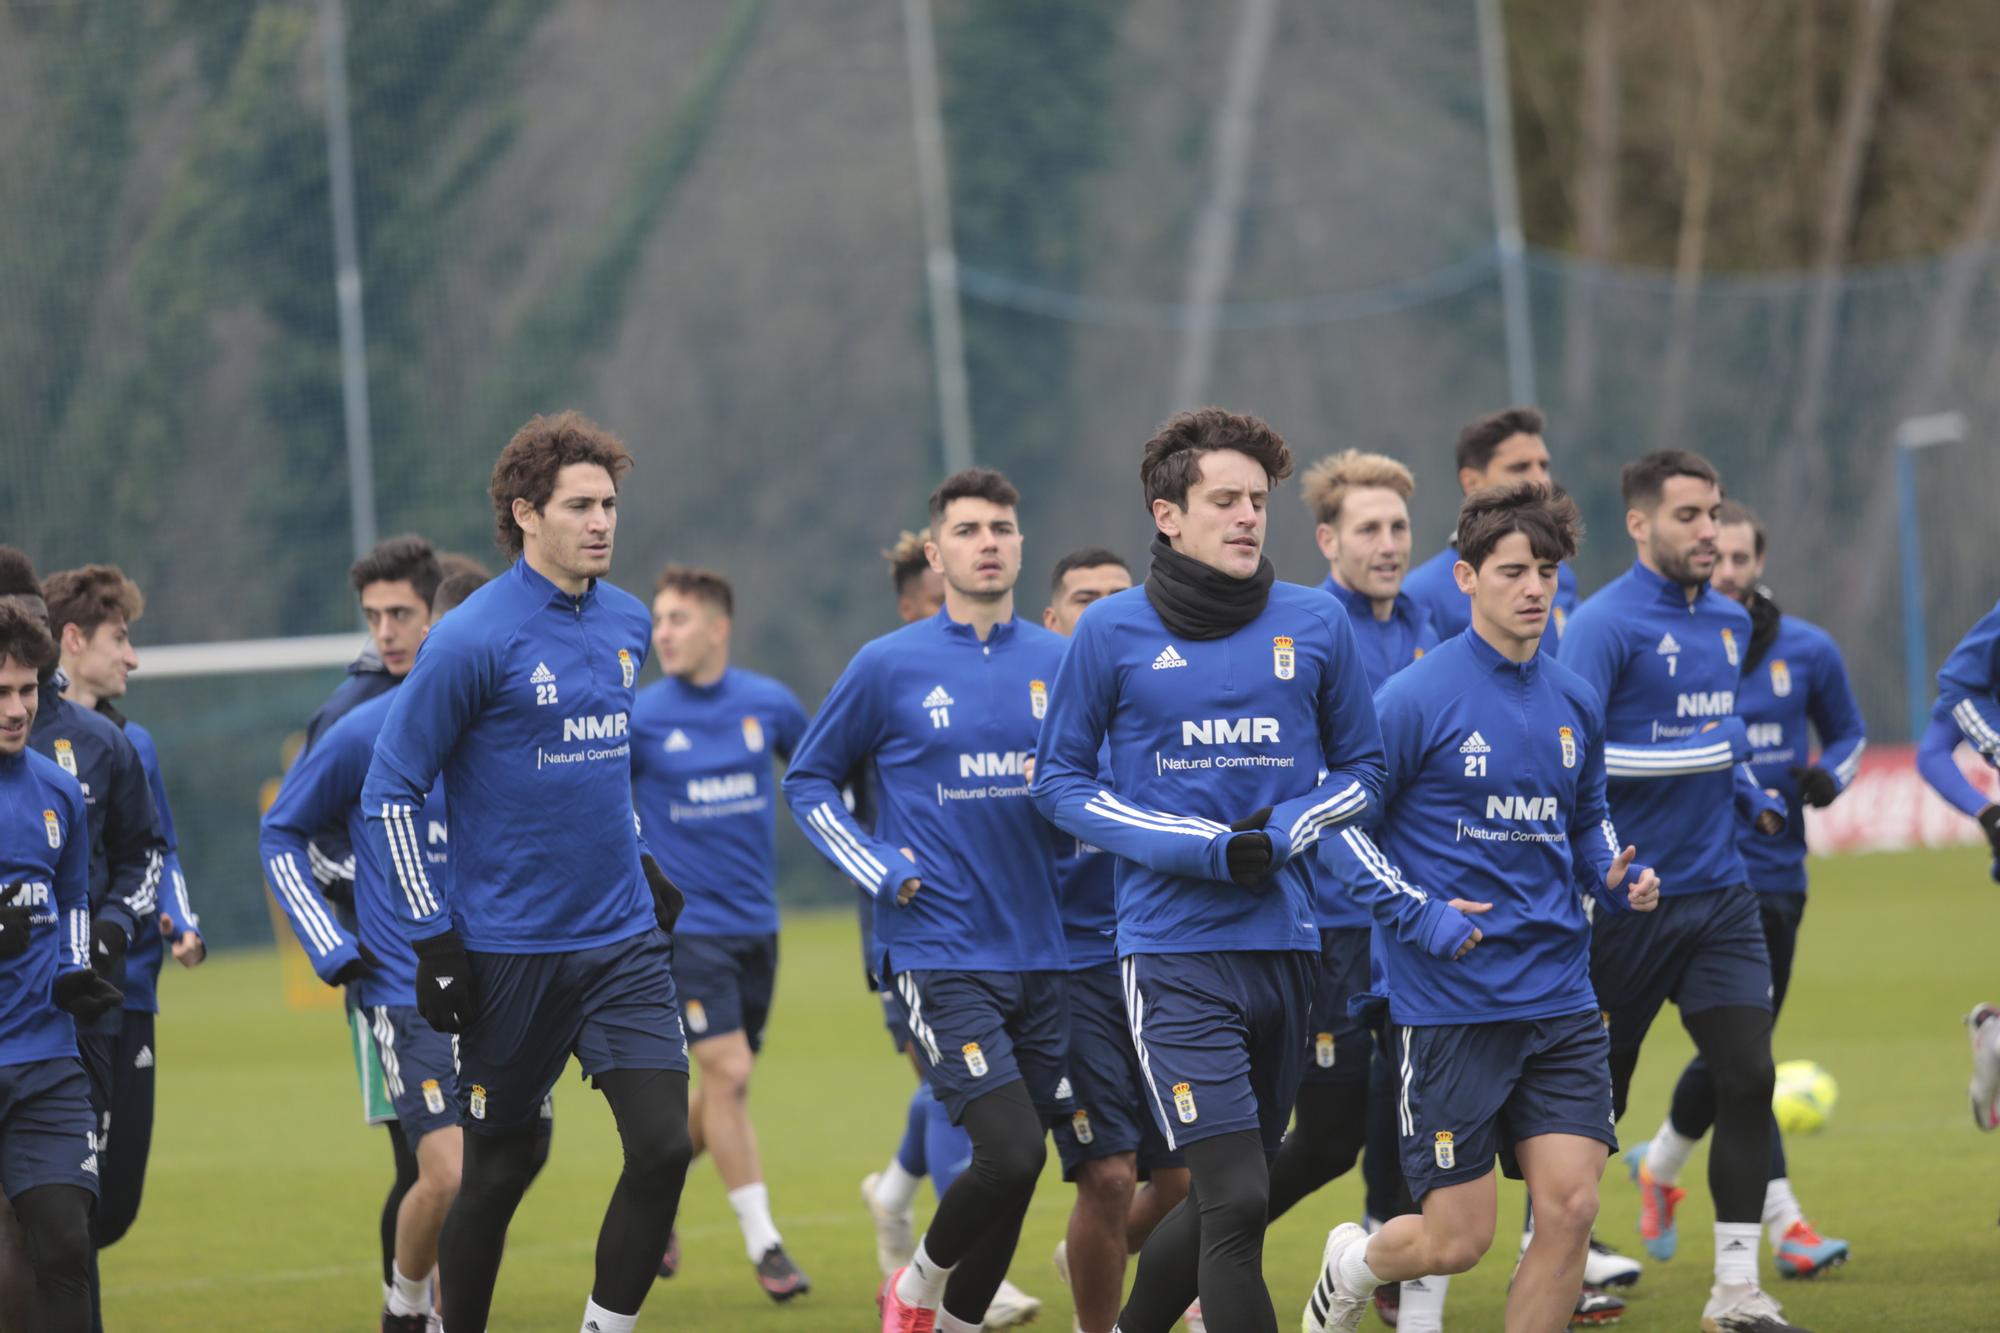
(1211, 1245)
(1735, 1044)
(978, 1221)
(1329, 1125)
(406, 1176)
(55, 1226)
(650, 1106)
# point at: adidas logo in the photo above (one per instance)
(1168, 658)
(1668, 644)
(1734, 1247)
(1475, 744)
(677, 741)
(542, 675)
(90, 1164)
(143, 1060)
(938, 698)
(1062, 1090)
(444, 983)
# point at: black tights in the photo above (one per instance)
(650, 1106)
(55, 1226)
(978, 1221)
(1329, 1125)
(1735, 1045)
(1211, 1245)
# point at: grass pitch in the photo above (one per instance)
(261, 1207)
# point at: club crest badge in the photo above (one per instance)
(1284, 658)
(975, 1059)
(1781, 677)
(53, 829)
(1323, 1050)
(753, 735)
(1443, 1151)
(1079, 1125)
(433, 1097)
(697, 1017)
(66, 756)
(1184, 1103)
(1038, 698)
(1568, 739)
(627, 671)
(1562, 621)
(1729, 646)
(478, 1101)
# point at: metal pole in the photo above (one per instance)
(1506, 204)
(1912, 434)
(347, 282)
(1215, 229)
(940, 258)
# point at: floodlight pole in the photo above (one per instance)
(347, 282)
(940, 256)
(1500, 171)
(1912, 434)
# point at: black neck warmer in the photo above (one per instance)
(1197, 601)
(1764, 615)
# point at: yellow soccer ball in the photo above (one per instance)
(1804, 1097)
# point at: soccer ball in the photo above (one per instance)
(1803, 1098)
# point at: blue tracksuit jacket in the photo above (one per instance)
(1801, 680)
(45, 857)
(127, 850)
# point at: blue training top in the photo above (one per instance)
(149, 947)
(1801, 679)
(44, 866)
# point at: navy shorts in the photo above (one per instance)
(1781, 914)
(1339, 1045)
(725, 984)
(47, 1129)
(419, 1069)
(978, 1031)
(1110, 1115)
(1471, 1091)
(1221, 1039)
(612, 1006)
(1701, 950)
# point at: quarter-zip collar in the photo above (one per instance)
(1360, 604)
(1003, 630)
(549, 592)
(1667, 590)
(1491, 659)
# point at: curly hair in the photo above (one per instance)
(1172, 461)
(528, 466)
(89, 596)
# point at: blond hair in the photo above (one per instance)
(906, 558)
(1327, 482)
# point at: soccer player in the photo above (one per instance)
(1793, 676)
(704, 739)
(1240, 731)
(48, 1145)
(1664, 651)
(549, 939)
(1495, 789)
(1110, 1142)
(379, 969)
(944, 714)
(1499, 449)
(91, 611)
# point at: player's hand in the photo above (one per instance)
(16, 923)
(350, 971)
(1028, 770)
(108, 943)
(1989, 820)
(667, 898)
(189, 948)
(1469, 908)
(1816, 786)
(908, 888)
(1249, 851)
(86, 995)
(1770, 823)
(445, 995)
(1644, 894)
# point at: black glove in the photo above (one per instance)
(86, 994)
(108, 943)
(667, 899)
(1989, 820)
(1249, 853)
(1816, 786)
(444, 983)
(15, 923)
(351, 970)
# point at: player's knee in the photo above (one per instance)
(1744, 1083)
(1569, 1209)
(1016, 1162)
(56, 1231)
(1460, 1252)
(725, 1074)
(1108, 1183)
(1235, 1206)
(662, 1153)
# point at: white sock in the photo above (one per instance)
(1354, 1272)
(922, 1283)
(1736, 1253)
(388, 1289)
(752, 1205)
(1781, 1210)
(895, 1188)
(1668, 1153)
(947, 1322)
(1422, 1305)
(597, 1319)
(408, 1296)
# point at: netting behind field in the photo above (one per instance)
(700, 223)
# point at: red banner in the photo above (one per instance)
(1888, 807)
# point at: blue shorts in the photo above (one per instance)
(1221, 1038)
(978, 1031)
(1701, 950)
(1781, 914)
(1339, 1046)
(419, 1069)
(1471, 1091)
(1110, 1115)
(47, 1129)
(613, 1007)
(725, 984)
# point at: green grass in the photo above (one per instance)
(261, 1209)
